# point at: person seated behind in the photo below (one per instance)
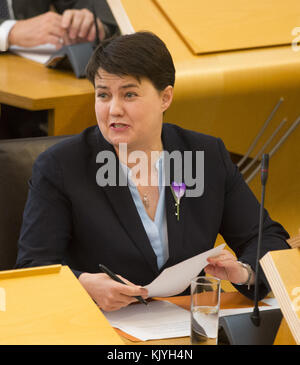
(80, 213)
(31, 23)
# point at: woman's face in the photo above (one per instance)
(130, 110)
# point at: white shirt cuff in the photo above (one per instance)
(5, 28)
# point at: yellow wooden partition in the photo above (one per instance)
(230, 94)
(218, 25)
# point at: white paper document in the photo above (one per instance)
(159, 319)
(39, 54)
(177, 278)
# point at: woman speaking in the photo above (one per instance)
(80, 212)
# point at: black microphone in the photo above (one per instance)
(257, 328)
(255, 317)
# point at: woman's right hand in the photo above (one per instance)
(108, 293)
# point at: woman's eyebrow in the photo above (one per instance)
(126, 86)
(101, 87)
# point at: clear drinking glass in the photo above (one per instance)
(205, 305)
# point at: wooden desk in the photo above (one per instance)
(48, 306)
(30, 85)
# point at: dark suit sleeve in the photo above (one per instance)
(240, 223)
(62, 5)
(47, 223)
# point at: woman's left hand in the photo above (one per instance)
(226, 267)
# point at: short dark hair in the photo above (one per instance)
(141, 54)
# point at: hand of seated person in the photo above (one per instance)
(80, 27)
(41, 29)
(109, 294)
(73, 26)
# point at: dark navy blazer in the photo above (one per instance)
(69, 219)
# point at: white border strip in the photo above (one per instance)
(2, 300)
(121, 16)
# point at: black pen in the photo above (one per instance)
(116, 278)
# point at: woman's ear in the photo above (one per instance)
(166, 97)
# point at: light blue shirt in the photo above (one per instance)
(156, 230)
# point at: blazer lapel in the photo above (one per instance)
(124, 207)
(175, 227)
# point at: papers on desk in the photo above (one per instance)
(175, 279)
(41, 53)
(162, 319)
(157, 320)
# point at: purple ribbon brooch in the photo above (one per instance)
(178, 191)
